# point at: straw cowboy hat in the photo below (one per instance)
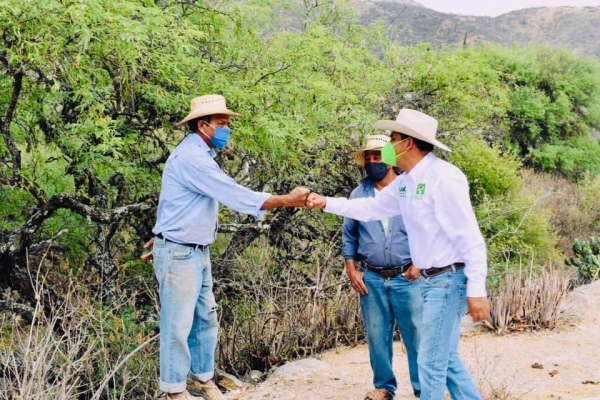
(374, 142)
(415, 124)
(209, 104)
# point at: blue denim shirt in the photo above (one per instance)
(193, 185)
(367, 241)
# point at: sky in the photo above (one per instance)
(493, 8)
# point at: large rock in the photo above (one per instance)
(584, 302)
(298, 369)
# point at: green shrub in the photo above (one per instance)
(490, 173)
(573, 158)
(553, 94)
(517, 229)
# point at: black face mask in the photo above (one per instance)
(376, 171)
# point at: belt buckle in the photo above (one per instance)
(387, 273)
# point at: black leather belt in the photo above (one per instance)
(427, 273)
(388, 272)
(195, 246)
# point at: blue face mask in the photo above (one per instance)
(221, 136)
(376, 171)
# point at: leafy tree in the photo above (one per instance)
(87, 92)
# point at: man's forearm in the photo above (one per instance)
(295, 198)
(276, 201)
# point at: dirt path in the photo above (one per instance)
(502, 365)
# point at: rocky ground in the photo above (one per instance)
(560, 364)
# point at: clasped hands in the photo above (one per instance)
(303, 197)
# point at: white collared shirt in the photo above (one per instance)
(433, 199)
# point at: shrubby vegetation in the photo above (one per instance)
(89, 92)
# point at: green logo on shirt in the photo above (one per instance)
(403, 191)
(420, 191)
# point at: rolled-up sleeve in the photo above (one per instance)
(349, 239)
(203, 175)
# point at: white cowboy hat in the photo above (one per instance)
(415, 124)
(209, 104)
(374, 142)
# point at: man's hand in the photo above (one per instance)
(315, 200)
(148, 256)
(412, 274)
(297, 197)
(479, 308)
(356, 277)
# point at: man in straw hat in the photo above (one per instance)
(446, 246)
(193, 185)
(376, 254)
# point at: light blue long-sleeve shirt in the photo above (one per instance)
(193, 185)
(367, 241)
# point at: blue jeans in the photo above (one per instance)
(188, 316)
(445, 303)
(388, 300)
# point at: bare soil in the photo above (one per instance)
(567, 358)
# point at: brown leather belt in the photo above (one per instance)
(388, 272)
(195, 246)
(428, 273)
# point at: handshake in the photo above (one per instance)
(303, 197)
(298, 197)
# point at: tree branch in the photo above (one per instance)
(286, 66)
(39, 214)
(5, 125)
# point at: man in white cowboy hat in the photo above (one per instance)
(376, 254)
(193, 185)
(446, 246)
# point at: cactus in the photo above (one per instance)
(586, 259)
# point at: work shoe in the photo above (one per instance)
(184, 396)
(378, 394)
(208, 390)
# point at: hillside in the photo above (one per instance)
(576, 28)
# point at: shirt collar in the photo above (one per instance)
(421, 167)
(195, 138)
(368, 186)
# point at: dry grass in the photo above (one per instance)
(574, 209)
(288, 313)
(74, 351)
(489, 386)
